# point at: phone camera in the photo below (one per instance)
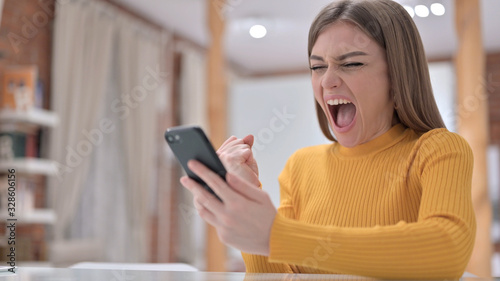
(173, 138)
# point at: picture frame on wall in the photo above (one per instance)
(19, 87)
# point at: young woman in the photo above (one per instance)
(390, 197)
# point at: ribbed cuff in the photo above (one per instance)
(284, 245)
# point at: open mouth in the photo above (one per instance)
(342, 112)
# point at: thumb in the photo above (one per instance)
(248, 140)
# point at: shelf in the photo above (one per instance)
(34, 116)
(42, 216)
(34, 266)
(33, 166)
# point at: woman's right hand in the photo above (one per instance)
(237, 157)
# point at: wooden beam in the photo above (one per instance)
(217, 114)
(473, 123)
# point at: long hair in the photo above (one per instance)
(388, 24)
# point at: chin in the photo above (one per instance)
(348, 142)
(347, 139)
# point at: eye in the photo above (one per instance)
(352, 64)
(318, 68)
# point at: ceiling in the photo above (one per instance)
(284, 48)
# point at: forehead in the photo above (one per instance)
(342, 37)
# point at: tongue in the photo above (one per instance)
(345, 114)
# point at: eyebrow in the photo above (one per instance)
(341, 57)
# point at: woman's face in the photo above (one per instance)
(351, 83)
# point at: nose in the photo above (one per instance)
(331, 79)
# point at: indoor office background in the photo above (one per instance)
(98, 182)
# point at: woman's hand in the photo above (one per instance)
(237, 157)
(245, 217)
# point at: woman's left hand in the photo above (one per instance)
(245, 217)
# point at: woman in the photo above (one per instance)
(389, 198)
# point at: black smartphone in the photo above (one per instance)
(190, 142)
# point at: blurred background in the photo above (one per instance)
(89, 86)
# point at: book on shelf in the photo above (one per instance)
(19, 87)
(30, 244)
(18, 141)
(39, 94)
(25, 195)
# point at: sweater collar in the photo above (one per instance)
(387, 139)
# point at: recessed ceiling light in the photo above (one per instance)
(409, 10)
(422, 11)
(437, 9)
(258, 31)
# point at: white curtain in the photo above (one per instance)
(108, 76)
(193, 112)
(193, 87)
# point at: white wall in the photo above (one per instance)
(280, 113)
(443, 84)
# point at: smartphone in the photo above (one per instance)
(190, 142)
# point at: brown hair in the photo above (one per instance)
(388, 24)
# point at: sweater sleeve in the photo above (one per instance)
(261, 264)
(437, 246)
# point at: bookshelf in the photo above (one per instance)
(32, 213)
(32, 118)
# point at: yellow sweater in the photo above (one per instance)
(397, 207)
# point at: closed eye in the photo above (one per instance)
(352, 64)
(316, 68)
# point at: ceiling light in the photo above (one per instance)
(409, 10)
(258, 31)
(437, 9)
(421, 11)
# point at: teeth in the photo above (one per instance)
(337, 101)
